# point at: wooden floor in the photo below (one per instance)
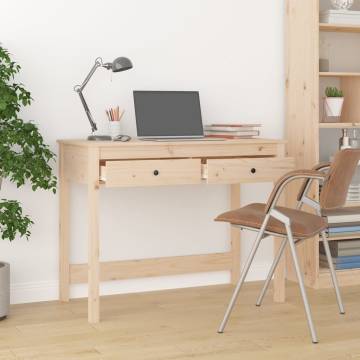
(182, 324)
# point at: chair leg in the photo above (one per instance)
(333, 273)
(243, 274)
(301, 284)
(271, 272)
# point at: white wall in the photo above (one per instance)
(229, 50)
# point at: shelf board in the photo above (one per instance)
(326, 269)
(340, 125)
(339, 27)
(339, 74)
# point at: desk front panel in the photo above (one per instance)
(116, 173)
(234, 171)
(151, 172)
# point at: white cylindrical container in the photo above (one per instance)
(114, 128)
(4, 290)
(333, 106)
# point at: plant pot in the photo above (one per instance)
(4, 290)
(333, 106)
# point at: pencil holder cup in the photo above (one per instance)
(115, 130)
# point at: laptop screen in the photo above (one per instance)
(168, 114)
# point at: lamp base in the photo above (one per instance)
(99, 138)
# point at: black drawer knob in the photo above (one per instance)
(253, 170)
(156, 172)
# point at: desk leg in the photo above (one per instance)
(93, 246)
(64, 266)
(235, 235)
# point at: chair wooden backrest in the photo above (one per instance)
(336, 184)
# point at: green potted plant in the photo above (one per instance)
(334, 101)
(24, 158)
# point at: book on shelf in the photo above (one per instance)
(342, 248)
(343, 229)
(342, 266)
(344, 215)
(353, 193)
(345, 252)
(344, 224)
(340, 16)
(341, 259)
(348, 235)
(346, 244)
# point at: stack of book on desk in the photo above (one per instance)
(343, 223)
(232, 131)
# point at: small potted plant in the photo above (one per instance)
(24, 158)
(334, 101)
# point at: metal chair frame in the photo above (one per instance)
(288, 239)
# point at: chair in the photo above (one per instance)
(295, 225)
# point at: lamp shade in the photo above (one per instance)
(121, 64)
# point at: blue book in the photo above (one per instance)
(343, 229)
(341, 259)
(347, 266)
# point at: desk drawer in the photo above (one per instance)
(151, 172)
(232, 171)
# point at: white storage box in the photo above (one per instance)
(346, 17)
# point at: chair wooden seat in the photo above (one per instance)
(303, 224)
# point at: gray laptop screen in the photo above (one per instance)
(168, 113)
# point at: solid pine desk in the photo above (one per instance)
(151, 163)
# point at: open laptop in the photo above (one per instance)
(168, 115)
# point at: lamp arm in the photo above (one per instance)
(80, 88)
(87, 111)
(98, 63)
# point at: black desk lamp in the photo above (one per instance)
(119, 64)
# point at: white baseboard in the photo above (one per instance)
(28, 292)
(48, 290)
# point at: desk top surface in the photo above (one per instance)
(137, 142)
(138, 149)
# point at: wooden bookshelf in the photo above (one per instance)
(303, 103)
(339, 28)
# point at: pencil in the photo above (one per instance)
(121, 114)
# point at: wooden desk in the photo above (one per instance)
(145, 163)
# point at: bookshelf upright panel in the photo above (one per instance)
(311, 141)
(302, 109)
